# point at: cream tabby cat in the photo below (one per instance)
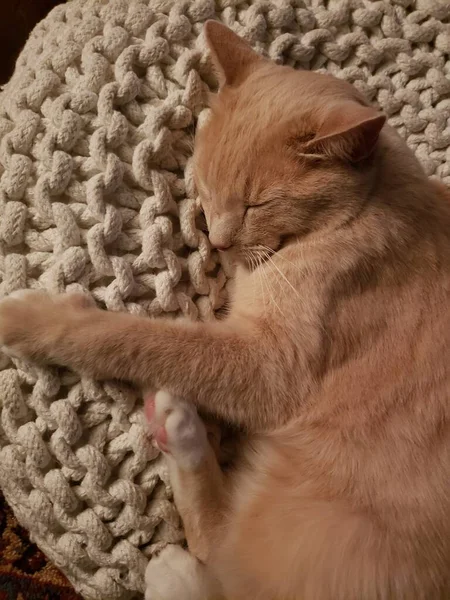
(334, 355)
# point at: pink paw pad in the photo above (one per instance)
(158, 432)
(149, 407)
(176, 428)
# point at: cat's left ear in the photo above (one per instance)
(232, 57)
(349, 131)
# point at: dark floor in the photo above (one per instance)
(18, 17)
(25, 573)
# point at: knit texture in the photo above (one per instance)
(97, 194)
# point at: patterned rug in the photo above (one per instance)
(25, 573)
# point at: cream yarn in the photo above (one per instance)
(96, 193)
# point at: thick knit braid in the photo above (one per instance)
(97, 195)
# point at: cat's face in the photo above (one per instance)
(279, 148)
(245, 172)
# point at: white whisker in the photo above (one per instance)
(271, 290)
(273, 271)
(255, 263)
(278, 255)
(259, 258)
(283, 276)
(261, 282)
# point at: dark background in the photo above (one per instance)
(17, 19)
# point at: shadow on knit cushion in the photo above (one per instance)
(96, 194)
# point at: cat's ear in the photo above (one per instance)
(232, 57)
(349, 131)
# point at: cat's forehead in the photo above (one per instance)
(273, 96)
(250, 128)
(233, 139)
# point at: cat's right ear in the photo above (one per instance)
(232, 57)
(349, 132)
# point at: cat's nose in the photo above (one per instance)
(221, 231)
(221, 247)
(220, 242)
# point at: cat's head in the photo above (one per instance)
(283, 152)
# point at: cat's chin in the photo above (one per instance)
(251, 258)
(244, 260)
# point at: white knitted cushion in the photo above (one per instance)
(96, 193)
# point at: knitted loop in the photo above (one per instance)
(97, 196)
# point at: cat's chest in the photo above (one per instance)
(285, 291)
(263, 292)
(246, 292)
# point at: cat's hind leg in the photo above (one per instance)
(176, 574)
(198, 486)
(196, 478)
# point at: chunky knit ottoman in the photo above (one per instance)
(96, 194)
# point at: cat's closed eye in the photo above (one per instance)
(258, 204)
(251, 208)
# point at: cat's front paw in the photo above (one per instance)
(29, 320)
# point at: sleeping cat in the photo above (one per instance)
(334, 356)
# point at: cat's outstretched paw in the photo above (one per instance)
(30, 318)
(176, 575)
(177, 429)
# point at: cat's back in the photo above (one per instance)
(380, 422)
(388, 364)
(358, 488)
